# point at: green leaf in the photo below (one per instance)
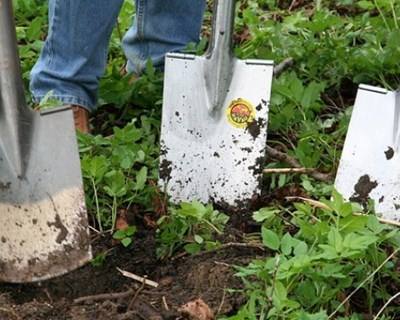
(270, 239)
(34, 30)
(116, 186)
(141, 178)
(279, 295)
(126, 242)
(120, 234)
(198, 239)
(312, 94)
(335, 240)
(264, 214)
(192, 248)
(300, 249)
(287, 244)
(130, 231)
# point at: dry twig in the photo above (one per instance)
(138, 278)
(283, 66)
(11, 312)
(321, 205)
(288, 170)
(283, 157)
(363, 283)
(165, 304)
(385, 305)
(132, 303)
(104, 296)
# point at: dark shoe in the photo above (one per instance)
(81, 119)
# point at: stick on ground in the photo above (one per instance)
(138, 278)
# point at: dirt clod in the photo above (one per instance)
(389, 153)
(197, 310)
(165, 170)
(254, 127)
(362, 189)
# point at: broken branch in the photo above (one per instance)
(287, 170)
(283, 66)
(283, 157)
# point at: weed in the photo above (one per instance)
(192, 226)
(313, 269)
(125, 235)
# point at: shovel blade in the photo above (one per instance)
(369, 167)
(214, 157)
(43, 220)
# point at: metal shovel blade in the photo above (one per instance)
(43, 221)
(369, 167)
(215, 156)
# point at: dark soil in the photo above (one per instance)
(362, 190)
(181, 279)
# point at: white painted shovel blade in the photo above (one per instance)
(370, 166)
(204, 156)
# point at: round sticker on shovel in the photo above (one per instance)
(240, 113)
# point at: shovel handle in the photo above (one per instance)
(219, 56)
(222, 28)
(15, 118)
(11, 85)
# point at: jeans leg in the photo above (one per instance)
(75, 52)
(161, 26)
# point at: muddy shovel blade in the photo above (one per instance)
(370, 164)
(214, 121)
(217, 157)
(43, 221)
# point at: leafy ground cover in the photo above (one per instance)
(286, 258)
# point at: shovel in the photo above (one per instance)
(369, 168)
(214, 121)
(43, 220)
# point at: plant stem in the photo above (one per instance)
(113, 214)
(386, 304)
(396, 24)
(363, 282)
(96, 198)
(382, 15)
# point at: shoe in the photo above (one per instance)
(81, 119)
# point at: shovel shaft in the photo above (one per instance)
(222, 28)
(219, 69)
(15, 118)
(12, 93)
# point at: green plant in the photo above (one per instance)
(116, 170)
(192, 226)
(99, 259)
(313, 269)
(125, 235)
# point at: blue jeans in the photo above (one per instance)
(74, 55)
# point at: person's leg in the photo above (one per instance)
(75, 52)
(161, 26)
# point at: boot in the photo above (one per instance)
(81, 119)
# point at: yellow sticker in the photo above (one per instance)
(240, 113)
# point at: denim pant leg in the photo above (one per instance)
(161, 26)
(75, 52)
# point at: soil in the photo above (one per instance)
(181, 279)
(389, 153)
(362, 190)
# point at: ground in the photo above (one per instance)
(181, 279)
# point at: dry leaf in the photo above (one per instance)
(197, 310)
(122, 220)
